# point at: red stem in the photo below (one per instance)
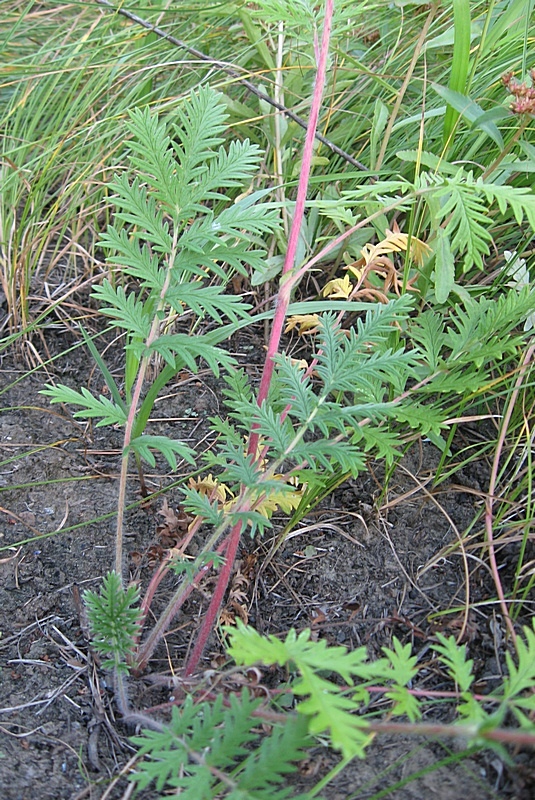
(146, 648)
(286, 284)
(210, 618)
(283, 300)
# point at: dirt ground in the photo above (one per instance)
(362, 569)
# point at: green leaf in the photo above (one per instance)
(255, 36)
(199, 505)
(405, 704)
(380, 118)
(169, 448)
(429, 160)
(403, 667)
(471, 112)
(460, 61)
(207, 300)
(208, 750)
(136, 259)
(110, 383)
(135, 205)
(275, 758)
(424, 418)
(199, 131)
(127, 311)
(467, 218)
(322, 456)
(454, 656)
(427, 329)
(113, 620)
(231, 167)
(383, 443)
(109, 412)
(152, 154)
(179, 348)
(521, 676)
(326, 704)
(331, 711)
(520, 199)
(444, 266)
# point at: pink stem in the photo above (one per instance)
(164, 568)
(210, 618)
(466, 731)
(146, 648)
(283, 298)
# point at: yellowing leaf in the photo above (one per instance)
(357, 268)
(283, 501)
(300, 363)
(339, 287)
(419, 251)
(307, 323)
(210, 487)
(395, 242)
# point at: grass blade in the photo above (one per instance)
(459, 67)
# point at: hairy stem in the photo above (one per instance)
(132, 411)
(283, 301)
(210, 618)
(147, 647)
(283, 298)
(464, 731)
(121, 500)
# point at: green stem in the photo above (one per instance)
(131, 419)
(507, 149)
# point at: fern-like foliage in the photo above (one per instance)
(102, 408)
(461, 347)
(169, 448)
(463, 210)
(462, 206)
(177, 237)
(114, 621)
(326, 422)
(215, 750)
(359, 400)
(336, 709)
(327, 704)
(330, 706)
(518, 686)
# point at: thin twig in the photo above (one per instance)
(234, 71)
(526, 361)
(283, 299)
(404, 86)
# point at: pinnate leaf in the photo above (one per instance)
(92, 407)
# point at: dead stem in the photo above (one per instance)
(489, 500)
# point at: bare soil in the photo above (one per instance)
(363, 568)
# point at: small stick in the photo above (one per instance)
(283, 299)
(234, 72)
